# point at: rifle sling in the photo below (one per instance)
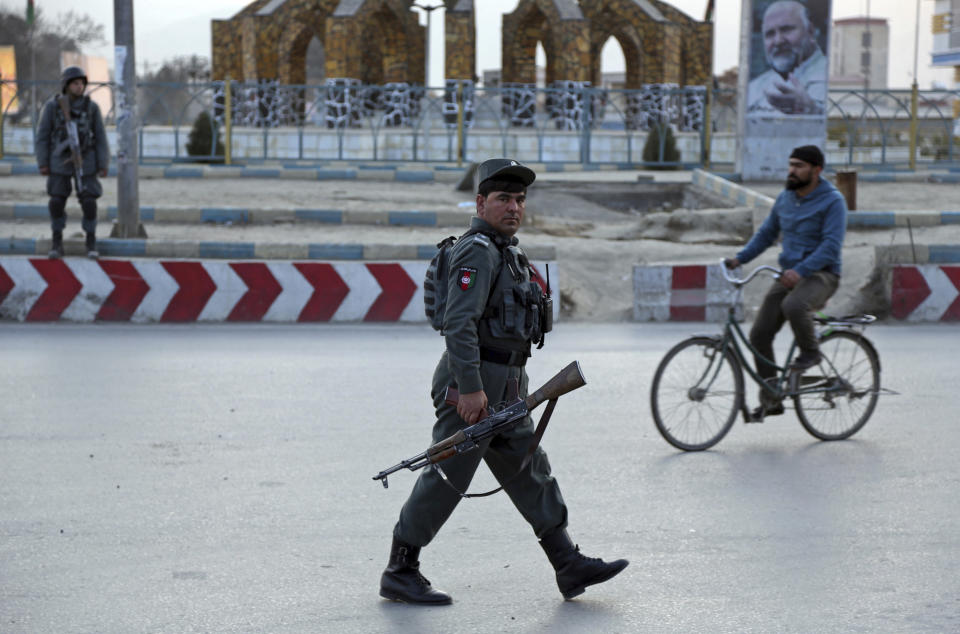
(534, 443)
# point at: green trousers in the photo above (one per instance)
(534, 491)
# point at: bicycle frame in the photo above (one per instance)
(786, 384)
(733, 337)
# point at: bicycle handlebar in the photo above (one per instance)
(740, 282)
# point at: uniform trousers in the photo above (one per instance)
(534, 492)
(59, 187)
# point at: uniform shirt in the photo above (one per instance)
(812, 75)
(51, 133)
(474, 267)
(813, 228)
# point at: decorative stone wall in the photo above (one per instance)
(519, 104)
(343, 103)
(566, 102)
(451, 104)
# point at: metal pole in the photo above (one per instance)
(128, 195)
(914, 97)
(708, 106)
(426, 53)
(228, 120)
(429, 9)
(33, 76)
(459, 123)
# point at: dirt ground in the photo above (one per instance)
(597, 247)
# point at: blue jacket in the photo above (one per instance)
(813, 227)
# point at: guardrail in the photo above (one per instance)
(343, 120)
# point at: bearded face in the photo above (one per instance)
(787, 37)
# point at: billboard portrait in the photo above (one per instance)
(788, 58)
(8, 73)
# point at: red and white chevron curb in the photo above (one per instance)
(693, 292)
(73, 289)
(926, 292)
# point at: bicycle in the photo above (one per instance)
(698, 387)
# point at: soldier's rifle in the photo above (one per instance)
(495, 422)
(73, 140)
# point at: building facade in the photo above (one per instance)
(859, 54)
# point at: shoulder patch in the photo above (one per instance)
(467, 277)
(482, 239)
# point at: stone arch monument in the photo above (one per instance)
(664, 49)
(375, 52)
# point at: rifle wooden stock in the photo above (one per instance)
(446, 448)
(566, 380)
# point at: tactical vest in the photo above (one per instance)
(81, 111)
(519, 312)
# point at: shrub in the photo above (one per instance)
(651, 149)
(200, 141)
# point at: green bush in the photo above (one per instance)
(651, 149)
(200, 141)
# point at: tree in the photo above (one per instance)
(69, 32)
(168, 94)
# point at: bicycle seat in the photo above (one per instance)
(846, 320)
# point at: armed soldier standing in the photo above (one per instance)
(63, 168)
(494, 312)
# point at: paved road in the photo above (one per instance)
(217, 478)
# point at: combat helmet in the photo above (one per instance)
(69, 74)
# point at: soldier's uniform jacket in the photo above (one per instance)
(53, 148)
(493, 306)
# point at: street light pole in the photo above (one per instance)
(914, 96)
(429, 10)
(128, 156)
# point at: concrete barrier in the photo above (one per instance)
(921, 281)
(145, 290)
(682, 292)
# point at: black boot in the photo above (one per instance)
(574, 571)
(402, 581)
(56, 246)
(92, 246)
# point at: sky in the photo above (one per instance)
(168, 28)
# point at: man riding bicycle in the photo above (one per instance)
(811, 216)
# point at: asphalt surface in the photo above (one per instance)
(218, 479)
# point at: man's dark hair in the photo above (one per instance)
(509, 185)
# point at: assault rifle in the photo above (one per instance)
(73, 140)
(495, 422)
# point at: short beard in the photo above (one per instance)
(794, 184)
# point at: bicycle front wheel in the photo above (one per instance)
(837, 397)
(696, 393)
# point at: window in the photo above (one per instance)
(866, 39)
(865, 61)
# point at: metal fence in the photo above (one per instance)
(659, 126)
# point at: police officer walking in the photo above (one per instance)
(494, 312)
(54, 158)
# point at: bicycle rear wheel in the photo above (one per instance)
(838, 396)
(696, 393)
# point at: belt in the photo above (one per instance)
(503, 357)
